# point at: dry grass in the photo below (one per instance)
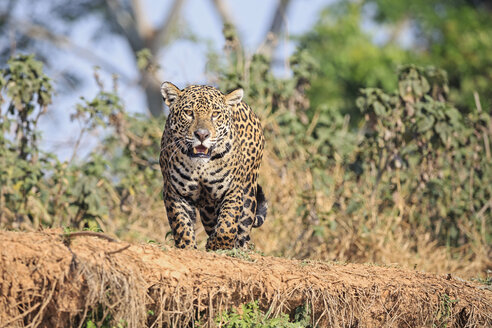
(364, 236)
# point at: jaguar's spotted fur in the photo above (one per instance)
(211, 151)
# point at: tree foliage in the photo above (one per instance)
(452, 35)
(347, 59)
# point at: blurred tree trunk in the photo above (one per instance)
(134, 26)
(140, 34)
(273, 34)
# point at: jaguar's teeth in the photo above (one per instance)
(194, 150)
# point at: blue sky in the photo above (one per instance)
(183, 63)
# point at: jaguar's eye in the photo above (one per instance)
(188, 112)
(215, 114)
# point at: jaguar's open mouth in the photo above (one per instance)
(200, 151)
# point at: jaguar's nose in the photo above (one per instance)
(202, 134)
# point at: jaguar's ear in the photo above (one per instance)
(234, 97)
(170, 93)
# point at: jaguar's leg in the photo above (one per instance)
(181, 216)
(247, 219)
(224, 233)
(208, 217)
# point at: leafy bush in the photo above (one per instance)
(439, 157)
(37, 189)
(250, 315)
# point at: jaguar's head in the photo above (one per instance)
(200, 117)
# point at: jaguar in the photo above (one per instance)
(211, 150)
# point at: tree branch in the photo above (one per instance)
(6, 14)
(279, 17)
(144, 29)
(272, 35)
(224, 11)
(163, 33)
(126, 24)
(225, 15)
(41, 33)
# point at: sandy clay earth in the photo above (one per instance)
(50, 279)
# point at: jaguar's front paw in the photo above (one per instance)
(216, 242)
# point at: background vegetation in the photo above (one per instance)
(376, 151)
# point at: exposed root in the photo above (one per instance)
(43, 283)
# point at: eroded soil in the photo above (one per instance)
(50, 280)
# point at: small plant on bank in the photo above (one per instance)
(236, 253)
(250, 315)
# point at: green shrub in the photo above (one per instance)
(251, 316)
(440, 157)
(38, 189)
